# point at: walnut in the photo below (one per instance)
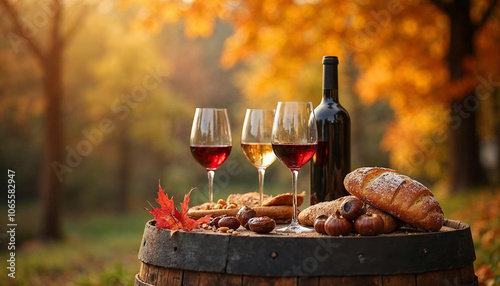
(205, 206)
(231, 206)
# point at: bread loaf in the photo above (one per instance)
(285, 199)
(396, 194)
(307, 216)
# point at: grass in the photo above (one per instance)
(481, 210)
(101, 249)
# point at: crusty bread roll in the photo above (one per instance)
(285, 199)
(398, 195)
(252, 199)
(307, 216)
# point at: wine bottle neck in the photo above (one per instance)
(330, 82)
(331, 95)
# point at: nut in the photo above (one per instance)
(369, 224)
(215, 221)
(231, 206)
(230, 222)
(351, 208)
(336, 225)
(223, 229)
(235, 232)
(262, 224)
(221, 202)
(244, 215)
(319, 223)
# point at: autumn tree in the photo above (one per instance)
(38, 28)
(147, 115)
(420, 56)
(466, 169)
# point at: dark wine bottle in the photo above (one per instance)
(332, 161)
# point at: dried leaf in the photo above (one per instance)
(169, 217)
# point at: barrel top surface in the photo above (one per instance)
(405, 251)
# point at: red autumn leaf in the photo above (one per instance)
(170, 218)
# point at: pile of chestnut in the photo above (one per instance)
(246, 217)
(349, 218)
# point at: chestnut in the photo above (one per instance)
(215, 221)
(351, 208)
(262, 224)
(229, 221)
(369, 224)
(244, 215)
(319, 223)
(336, 225)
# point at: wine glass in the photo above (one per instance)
(294, 142)
(210, 141)
(256, 141)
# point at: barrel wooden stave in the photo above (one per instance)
(153, 275)
(182, 260)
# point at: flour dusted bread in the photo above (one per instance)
(396, 194)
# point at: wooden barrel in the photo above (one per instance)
(204, 257)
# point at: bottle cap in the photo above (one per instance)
(330, 60)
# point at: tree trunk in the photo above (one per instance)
(465, 168)
(51, 187)
(496, 110)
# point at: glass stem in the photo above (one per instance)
(262, 172)
(295, 174)
(210, 174)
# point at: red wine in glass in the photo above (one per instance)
(294, 141)
(210, 157)
(210, 141)
(292, 155)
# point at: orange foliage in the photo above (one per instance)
(399, 46)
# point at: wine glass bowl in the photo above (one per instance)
(210, 157)
(256, 141)
(294, 141)
(210, 141)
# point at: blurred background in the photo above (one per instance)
(97, 100)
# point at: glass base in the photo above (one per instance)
(295, 227)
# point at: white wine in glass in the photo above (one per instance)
(210, 141)
(256, 141)
(294, 142)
